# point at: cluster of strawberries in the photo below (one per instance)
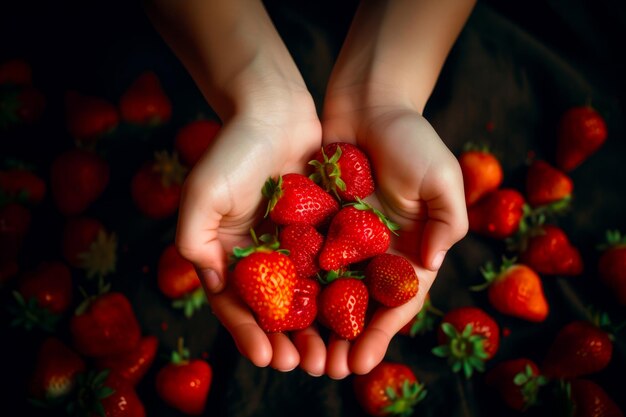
(325, 234)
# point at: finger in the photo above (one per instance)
(312, 350)
(285, 356)
(337, 359)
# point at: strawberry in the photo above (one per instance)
(77, 179)
(357, 232)
(389, 389)
(184, 383)
(87, 245)
(15, 222)
(194, 138)
(145, 102)
(105, 325)
(265, 279)
(177, 279)
(548, 250)
(342, 306)
(157, 185)
(303, 309)
(123, 400)
(546, 184)
(581, 132)
(347, 172)
(588, 399)
(612, 264)
(424, 320)
(22, 186)
(482, 172)
(391, 279)
(498, 214)
(132, 366)
(516, 290)
(517, 381)
(88, 118)
(56, 369)
(468, 337)
(579, 348)
(295, 198)
(16, 71)
(304, 243)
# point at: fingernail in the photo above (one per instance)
(314, 375)
(438, 260)
(212, 280)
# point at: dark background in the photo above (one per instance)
(516, 67)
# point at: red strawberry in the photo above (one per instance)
(345, 170)
(304, 243)
(56, 369)
(145, 102)
(184, 383)
(424, 320)
(156, 186)
(389, 389)
(579, 348)
(15, 222)
(88, 117)
(515, 290)
(546, 184)
(303, 309)
(123, 400)
(482, 173)
(16, 72)
(295, 198)
(194, 138)
(356, 233)
(87, 245)
(342, 307)
(77, 179)
(498, 214)
(518, 381)
(177, 279)
(105, 325)
(581, 132)
(612, 264)
(132, 366)
(22, 185)
(588, 399)
(548, 250)
(391, 279)
(265, 279)
(468, 337)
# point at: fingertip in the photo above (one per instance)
(368, 351)
(212, 281)
(285, 356)
(253, 343)
(312, 351)
(437, 260)
(337, 360)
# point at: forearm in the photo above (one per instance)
(230, 48)
(396, 48)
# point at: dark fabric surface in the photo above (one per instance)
(516, 66)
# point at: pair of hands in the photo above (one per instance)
(419, 186)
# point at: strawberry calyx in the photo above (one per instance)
(267, 242)
(465, 350)
(169, 167)
(88, 299)
(181, 355)
(613, 239)
(491, 274)
(556, 208)
(272, 190)
(402, 401)
(328, 173)
(476, 147)
(602, 321)
(101, 258)
(425, 319)
(529, 384)
(362, 205)
(335, 274)
(191, 302)
(90, 392)
(29, 314)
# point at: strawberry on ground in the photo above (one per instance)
(194, 138)
(88, 118)
(390, 389)
(546, 184)
(20, 185)
(497, 214)
(132, 366)
(342, 306)
(86, 244)
(517, 381)
(482, 172)
(547, 249)
(304, 243)
(612, 264)
(144, 102)
(581, 132)
(587, 398)
(391, 279)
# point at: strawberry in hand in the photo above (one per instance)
(612, 264)
(517, 381)
(304, 244)
(581, 132)
(303, 310)
(343, 169)
(342, 306)
(391, 279)
(145, 102)
(390, 389)
(184, 383)
(482, 172)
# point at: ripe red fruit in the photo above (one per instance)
(87, 245)
(517, 381)
(612, 264)
(344, 169)
(468, 337)
(88, 118)
(133, 365)
(105, 325)
(22, 186)
(546, 184)
(342, 307)
(516, 290)
(157, 185)
(177, 279)
(304, 243)
(77, 179)
(581, 132)
(194, 138)
(122, 400)
(302, 312)
(588, 399)
(145, 102)
(391, 279)
(356, 233)
(482, 173)
(548, 250)
(184, 383)
(389, 389)
(579, 348)
(498, 214)
(295, 198)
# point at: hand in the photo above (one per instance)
(419, 187)
(222, 200)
